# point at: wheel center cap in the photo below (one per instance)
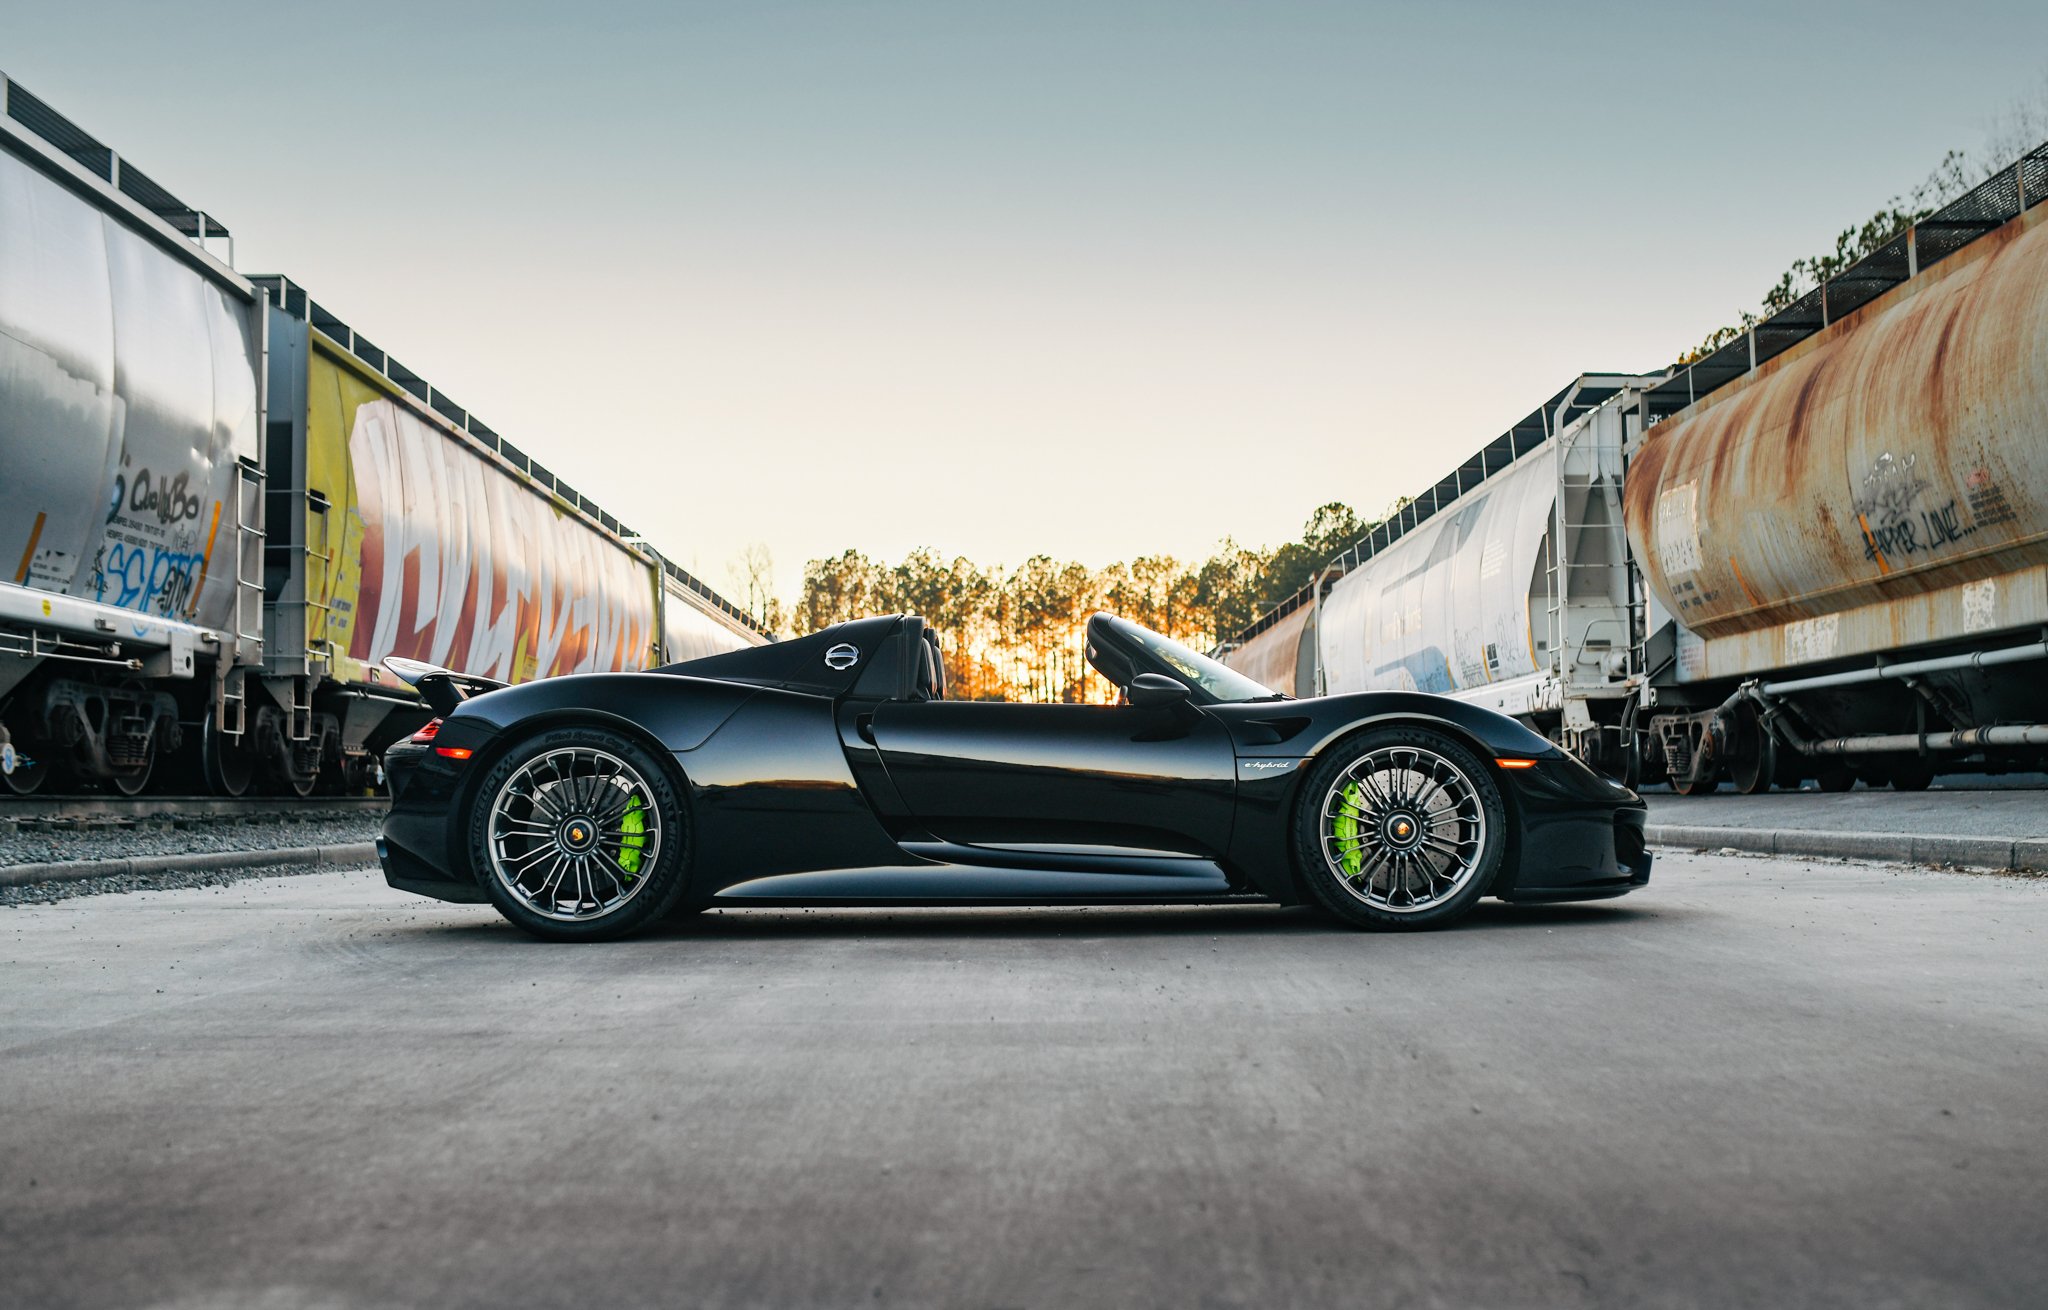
(1402, 830)
(577, 834)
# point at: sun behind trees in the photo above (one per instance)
(1020, 634)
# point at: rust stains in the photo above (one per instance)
(1903, 449)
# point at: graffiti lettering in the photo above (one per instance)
(461, 567)
(1925, 531)
(167, 498)
(1889, 489)
(146, 578)
(1944, 525)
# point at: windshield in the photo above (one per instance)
(1219, 681)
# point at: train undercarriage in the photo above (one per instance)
(68, 727)
(1897, 722)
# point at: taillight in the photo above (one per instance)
(426, 734)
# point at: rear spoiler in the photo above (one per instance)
(442, 689)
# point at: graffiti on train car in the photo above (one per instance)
(169, 498)
(465, 567)
(149, 578)
(1924, 406)
(129, 395)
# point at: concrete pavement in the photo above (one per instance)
(2015, 807)
(1968, 822)
(1756, 1083)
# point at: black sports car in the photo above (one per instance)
(832, 770)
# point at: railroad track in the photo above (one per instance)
(32, 812)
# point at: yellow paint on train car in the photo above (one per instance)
(336, 386)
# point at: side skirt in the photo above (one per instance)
(958, 884)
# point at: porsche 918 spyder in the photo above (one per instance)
(831, 770)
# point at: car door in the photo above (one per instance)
(1117, 778)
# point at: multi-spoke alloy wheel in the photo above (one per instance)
(577, 835)
(571, 833)
(1403, 828)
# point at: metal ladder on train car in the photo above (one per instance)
(1587, 463)
(320, 648)
(231, 696)
(1600, 459)
(318, 651)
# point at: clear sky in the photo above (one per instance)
(1091, 279)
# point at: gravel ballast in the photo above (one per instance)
(48, 841)
(158, 855)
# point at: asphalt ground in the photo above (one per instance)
(1758, 1082)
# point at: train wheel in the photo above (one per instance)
(1912, 775)
(131, 781)
(225, 761)
(1791, 770)
(20, 773)
(1835, 776)
(1706, 786)
(1753, 756)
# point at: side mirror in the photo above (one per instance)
(1148, 690)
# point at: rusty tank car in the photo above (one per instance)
(1820, 552)
(1851, 535)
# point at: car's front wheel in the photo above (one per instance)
(1399, 828)
(579, 834)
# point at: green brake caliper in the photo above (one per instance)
(633, 823)
(1345, 829)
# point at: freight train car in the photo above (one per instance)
(1821, 552)
(1506, 584)
(400, 524)
(1848, 519)
(1280, 649)
(228, 507)
(130, 461)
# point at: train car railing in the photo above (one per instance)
(103, 162)
(1581, 396)
(1986, 207)
(437, 406)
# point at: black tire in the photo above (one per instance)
(1911, 775)
(1791, 773)
(518, 784)
(1342, 871)
(1834, 777)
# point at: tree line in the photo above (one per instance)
(2020, 128)
(1020, 633)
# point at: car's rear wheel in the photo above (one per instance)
(1400, 828)
(580, 834)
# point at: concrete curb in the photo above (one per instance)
(18, 875)
(1899, 847)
